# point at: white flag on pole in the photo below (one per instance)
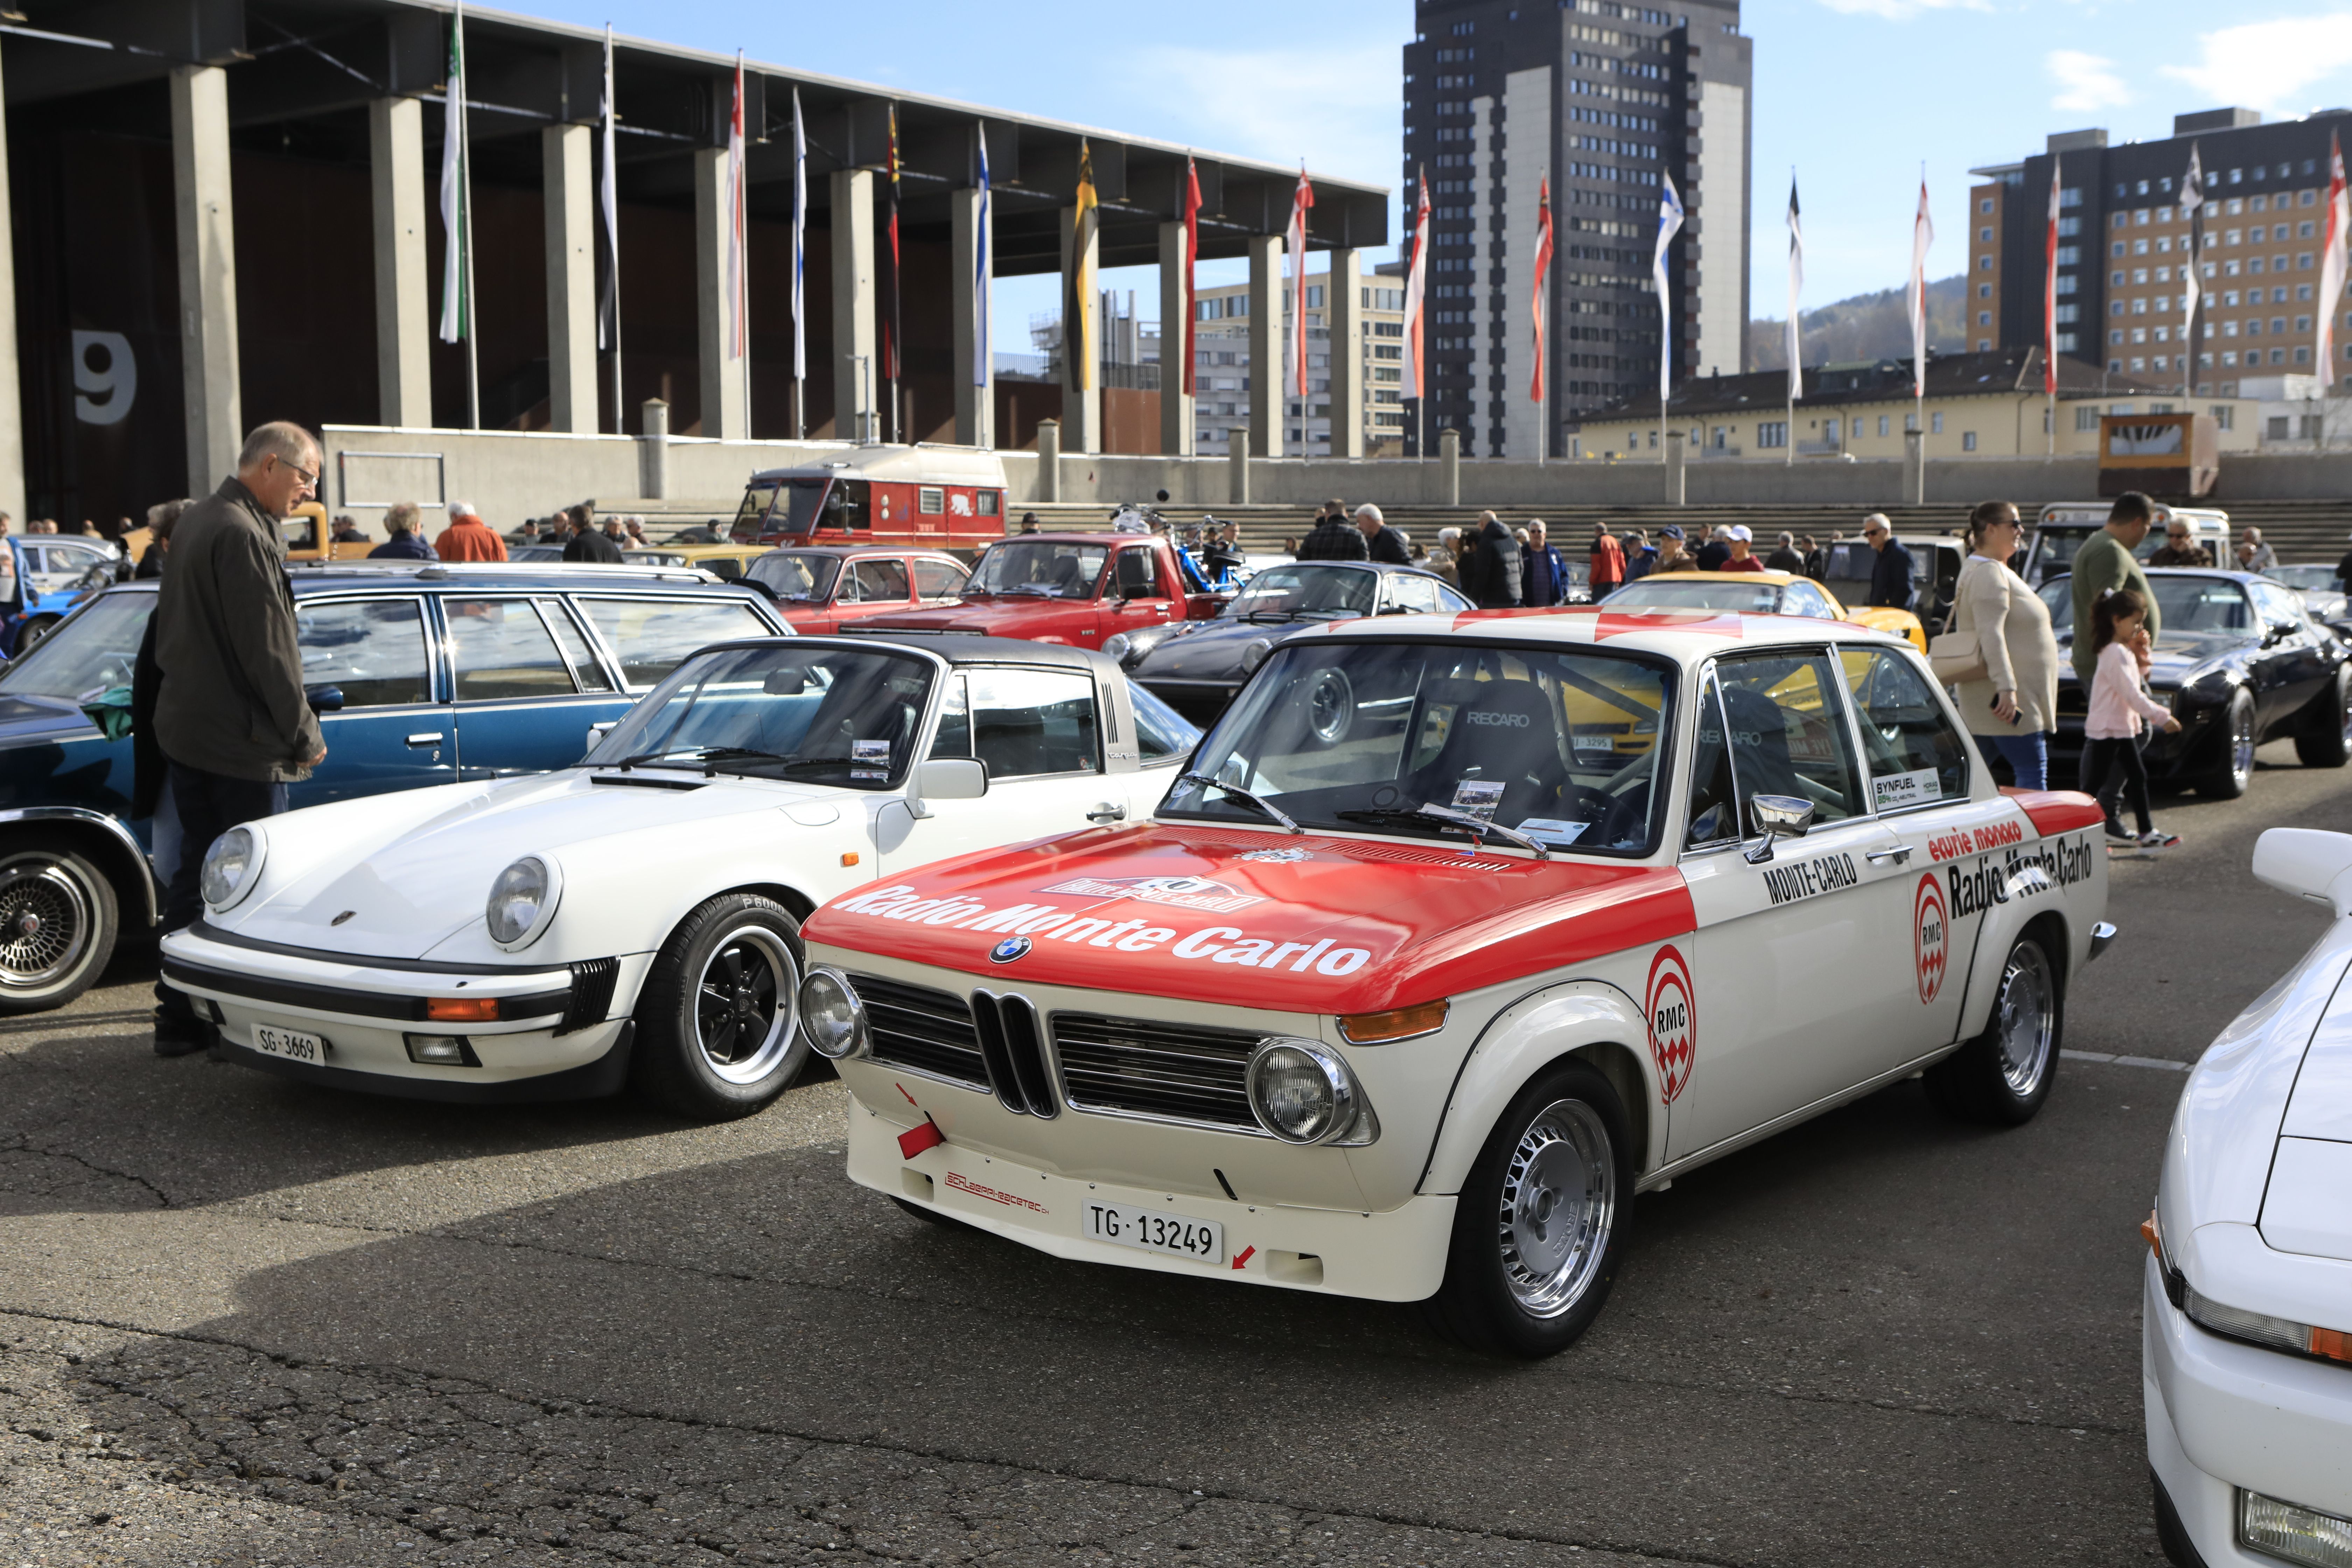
(800, 241)
(1416, 288)
(737, 346)
(1923, 235)
(1670, 223)
(980, 326)
(457, 314)
(608, 302)
(1796, 286)
(2192, 197)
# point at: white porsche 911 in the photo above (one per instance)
(2246, 1352)
(638, 917)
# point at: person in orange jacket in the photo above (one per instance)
(468, 537)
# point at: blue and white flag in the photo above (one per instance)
(980, 363)
(800, 241)
(1670, 223)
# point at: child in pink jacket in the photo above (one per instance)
(2112, 731)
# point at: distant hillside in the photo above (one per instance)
(1866, 327)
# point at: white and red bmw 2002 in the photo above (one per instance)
(1459, 932)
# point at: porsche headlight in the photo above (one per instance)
(232, 866)
(1253, 653)
(522, 899)
(1302, 1092)
(1116, 644)
(832, 1017)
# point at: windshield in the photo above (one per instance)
(822, 715)
(1305, 591)
(1161, 734)
(1743, 598)
(2054, 549)
(797, 573)
(2183, 603)
(794, 503)
(2306, 578)
(757, 500)
(1355, 736)
(87, 653)
(1057, 570)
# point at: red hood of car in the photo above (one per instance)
(976, 616)
(1308, 925)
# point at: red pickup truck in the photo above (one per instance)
(1073, 588)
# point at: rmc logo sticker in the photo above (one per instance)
(1933, 941)
(1673, 1021)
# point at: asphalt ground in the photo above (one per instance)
(243, 1322)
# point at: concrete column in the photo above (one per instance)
(1081, 383)
(1266, 343)
(1674, 456)
(1914, 468)
(853, 305)
(12, 413)
(974, 373)
(1049, 460)
(404, 332)
(653, 449)
(567, 187)
(725, 396)
(1237, 466)
(1343, 314)
(1449, 464)
(200, 177)
(1177, 431)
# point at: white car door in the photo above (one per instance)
(1041, 733)
(1792, 960)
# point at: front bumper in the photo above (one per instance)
(1397, 1256)
(563, 1040)
(2221, 1415)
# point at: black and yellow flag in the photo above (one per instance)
(1078, 310)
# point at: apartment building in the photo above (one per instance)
(1605, 100)
(1221, 369)
(2124, 251)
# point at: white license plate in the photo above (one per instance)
(1150, 1230)
(294, 1045)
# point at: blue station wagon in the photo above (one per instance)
(421, 674)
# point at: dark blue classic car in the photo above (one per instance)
(421, 674)
(2240, 661)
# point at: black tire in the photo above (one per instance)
(2324, 740)
(58, 922)
(1329, 701)
(719, 1020)
(2001, 1078)
(2233, 774)
(1514, 1285)
(29, 634)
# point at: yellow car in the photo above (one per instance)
(1759, 594)
(728, 560)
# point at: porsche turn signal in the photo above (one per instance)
(1402, 1024)
(462, 1009)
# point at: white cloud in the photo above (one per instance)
(1335, 109)
(1903, 10)
(2087, 83)
(2270, 65)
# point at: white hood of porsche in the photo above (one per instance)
(404, 882)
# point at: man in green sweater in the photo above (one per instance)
(2105, 561)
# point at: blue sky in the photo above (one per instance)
(1854, 93)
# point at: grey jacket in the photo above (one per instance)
(232, 700)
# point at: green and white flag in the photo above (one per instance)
(457, 206)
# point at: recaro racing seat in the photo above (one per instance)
(1496, 731)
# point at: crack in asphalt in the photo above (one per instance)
(208, 1443)
(26, 1146)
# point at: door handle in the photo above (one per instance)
(421, 741)
(1108, 812)
(1900, 855)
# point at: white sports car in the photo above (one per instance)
(2246, 1354)
(638, 917)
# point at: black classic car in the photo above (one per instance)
(1195, 667)
(2240, 661)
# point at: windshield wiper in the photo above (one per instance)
(1239, 793)
(1478, 827)
(711, 754)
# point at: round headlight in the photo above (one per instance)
(1300, 1092)
(232, 866)
(1116, 644)
(832, 1017)
(1253, 653)
(522, 898)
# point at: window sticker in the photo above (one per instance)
(878, 753)
(1898, 790)
(1553, 831)
(1479, 797)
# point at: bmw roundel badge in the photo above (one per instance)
(1010, 947)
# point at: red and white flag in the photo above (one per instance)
(737, 345)
(1192, 264)
(1923, 235)
(2331, 262)
(1543, 273)
(1294, 241)
(2050, 293)
(1416, 285)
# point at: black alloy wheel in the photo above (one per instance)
(58, 922)
(2233, 771)
(2324, 739)
(719, 1019)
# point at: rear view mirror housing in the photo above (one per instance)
(952, 778)
(2309, 862)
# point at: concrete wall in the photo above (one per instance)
(511, 476)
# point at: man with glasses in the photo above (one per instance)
(1890, 574)
(2180, 548)
(231, 717)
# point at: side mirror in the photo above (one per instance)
(1779, 816)
(952, 778)
(598, 731)
(324, 699)
(2309, 863)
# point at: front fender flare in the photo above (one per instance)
(1576, 1017)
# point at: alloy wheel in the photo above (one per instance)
(1330, 707)
(746, 1004)
(1558, 1204)
(2241, 744)
(44, 922)
(2027, 1018)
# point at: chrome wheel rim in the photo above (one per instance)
(1558, 1205)
(746, 1004)
(2344, 693)
(2027, 1018)
(2241, 743)
(45, 923)
(1330, 707)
